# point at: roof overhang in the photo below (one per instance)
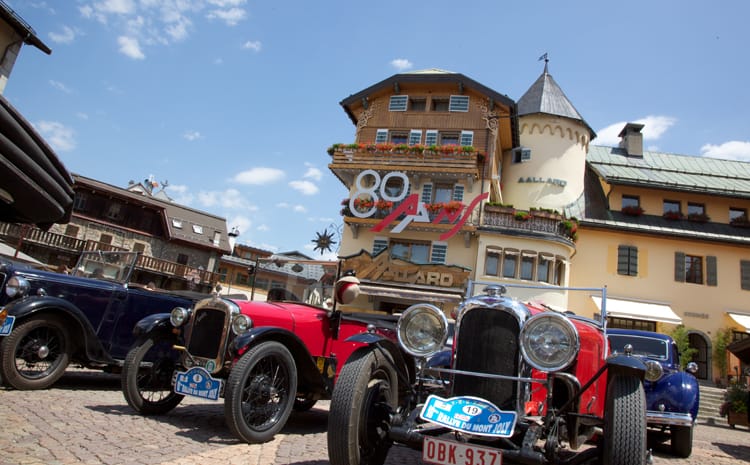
(637, 310)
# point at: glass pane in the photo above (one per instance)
(509, 266)
(490, 264)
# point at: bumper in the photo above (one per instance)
(654, 417)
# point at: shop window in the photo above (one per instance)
(627, 323)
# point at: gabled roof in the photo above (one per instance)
(545, 96)
(433, 75)
(669, 171)
(195, 226)
(22, 28)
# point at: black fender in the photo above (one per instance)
(311, 379)
(82, 334)
(158, 323)
(405, 364)
(626, 364)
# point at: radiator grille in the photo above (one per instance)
(488, 343)
(207, 335)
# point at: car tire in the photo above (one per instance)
(35, 354)
(365, 394)
(260, 392)
(681, 440)
(624, 421)
(148, 387)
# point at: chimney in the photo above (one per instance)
(631, 139)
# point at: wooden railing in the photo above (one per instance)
(464, 162)
(16, 233)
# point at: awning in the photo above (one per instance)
(411, 294)
(742, 319)
(741, 349)
(636, 310)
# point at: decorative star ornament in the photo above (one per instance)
(324, 241)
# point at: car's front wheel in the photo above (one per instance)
(624, 421)
(36, 353)
(260, 392)
(358, 421)
(682, 440)
(146, 378)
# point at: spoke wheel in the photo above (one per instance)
(358, 421)
(624, 421)
(146, 378)
(35, 354)
(260, 392)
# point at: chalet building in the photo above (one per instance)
(448, 180)
(181, 247)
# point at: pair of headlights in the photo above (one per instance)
(240, 323)
(549, 341)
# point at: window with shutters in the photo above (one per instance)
(627, 260)
(381, 136)
(415, 137)
(431, 137)
(417, 104)
(467, 138)
(411, 251)
(745, 275)
(691, 269)
(439, 252)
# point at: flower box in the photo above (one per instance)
(736, 418)
(632, 210)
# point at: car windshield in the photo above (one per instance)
(643, 346)
(112, 266)
(279, 278)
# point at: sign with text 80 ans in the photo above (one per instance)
(411, 207)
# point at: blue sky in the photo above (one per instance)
(234, 102)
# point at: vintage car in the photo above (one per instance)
(672, 395)
(527, 385)
(264, 357)
(51, 320)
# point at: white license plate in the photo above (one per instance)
(444, 452)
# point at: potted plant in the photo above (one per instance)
(522, 215)
(632, 210)
(672, 215)
(698, 217)
(735, 405)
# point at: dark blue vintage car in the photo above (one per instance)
(672, 395)
(51, 320)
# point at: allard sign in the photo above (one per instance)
(382, 268)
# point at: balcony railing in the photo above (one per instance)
(15, 233)
(456, 158)
(535, 222)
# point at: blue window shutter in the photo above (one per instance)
(712, 278)
(439, 252)
(679, 266)
(427, 192)
(458, 192)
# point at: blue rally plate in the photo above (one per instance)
(469, 414)
(7, 325)
(197, 382)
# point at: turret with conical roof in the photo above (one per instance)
(547, 170)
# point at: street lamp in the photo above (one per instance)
(233, 237)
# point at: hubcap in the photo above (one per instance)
(42, 352)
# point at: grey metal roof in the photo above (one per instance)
(22, 28)
(545, 96)
(669, 171)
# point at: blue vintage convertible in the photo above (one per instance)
(672, 395)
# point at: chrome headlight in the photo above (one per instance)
(422, 330)
(179, 316)
(654, 370)
(549, 342)
(241, 324)
(17, 287)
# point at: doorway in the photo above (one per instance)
(702, 357)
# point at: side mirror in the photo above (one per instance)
(346, 290)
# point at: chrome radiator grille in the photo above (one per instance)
(208, 332)
(488, 343)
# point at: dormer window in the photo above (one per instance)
(177, 223)
(197, 229)
(398, 103)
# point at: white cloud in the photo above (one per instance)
(313, 173)
(227, 3)
(180, 194)
(283, 205)
(305, 187)
(243, 223)
(259, 176)
(327, 255)
(252, 45)
(59, 86)
(263, 227)
(120, 7)
(82, 115)
(192, 135)
(67, 36)
(231, 16)
(654, 127)
(732, 150)
(130, 47)
(59, 136)
(229, 199)
(401, 64)
(299, 209)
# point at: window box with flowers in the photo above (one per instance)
(384, 207)
(522, 215)
(570, 228)
(698, 217)
(545, 213)
(632, 210)
(672, 215)
(363, 205)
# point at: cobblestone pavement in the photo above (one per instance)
(84, 419)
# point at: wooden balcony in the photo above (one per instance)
(16, 234)
(454, 164)
(553, 225)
